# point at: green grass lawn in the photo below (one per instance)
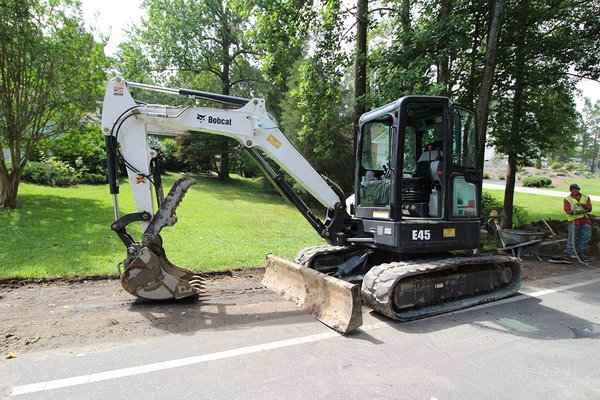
(59, 232)
(588, 186)
(66, 231)
(537, 206)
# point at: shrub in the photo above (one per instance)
(537, 181)
(489, 203)
(556, 165)
(51, 172)
(171, 159)
(244, 165)
(93, 178)
(82, 149)
(502, 177)
(486, 175)
(520, 216)
(574, 167)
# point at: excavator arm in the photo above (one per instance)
(147, 272)
(128, 123)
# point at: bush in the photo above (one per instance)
(502, 177)
(51, 172)
(244, 165)
(489, 203)
(82, 149)
(556, 165)
(520, 216)
(572, 167)
(171, 159)
(537, 181)
(93, 178)
(486, 175)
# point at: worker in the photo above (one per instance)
(578, 206)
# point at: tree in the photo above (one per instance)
(360, 60)
(485, 91)
(50, 77)
(400, 64)
(280, 36)
(317, 109)
(533, 111)
(590, 134)
(199, 37)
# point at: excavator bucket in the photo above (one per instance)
(153, 277)
(334, 302)
(148, 273)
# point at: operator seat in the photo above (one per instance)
(417, 189)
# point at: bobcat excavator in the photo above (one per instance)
(400, 246)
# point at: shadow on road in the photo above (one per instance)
(188, 316)
(530, 319)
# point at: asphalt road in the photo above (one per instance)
(541, 344)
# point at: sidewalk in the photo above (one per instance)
(544, 192)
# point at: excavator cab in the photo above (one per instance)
(419, 172)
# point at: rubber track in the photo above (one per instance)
(379, 283)
(305, 256)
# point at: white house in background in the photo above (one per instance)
(494, 159)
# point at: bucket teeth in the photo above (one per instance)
(153, 277)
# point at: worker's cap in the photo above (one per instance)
(574, 186)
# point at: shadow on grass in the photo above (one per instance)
(50, 236)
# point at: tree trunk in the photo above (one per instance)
(406, 40)
(595, 155)
(584, 144)
(509, 192)
(443, 75)
(9, 186)
(517, 119)
(224, 167)
(473, 80)
(360, 63)
(487, 83)
(405, 21)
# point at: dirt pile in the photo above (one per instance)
(558, 230)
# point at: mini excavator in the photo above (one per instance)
(402, 244)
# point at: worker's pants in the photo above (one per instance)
(583, 234)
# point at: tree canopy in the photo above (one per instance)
(51, 77)
(319, 65)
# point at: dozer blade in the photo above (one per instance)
(153, 277)
(334, 302)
